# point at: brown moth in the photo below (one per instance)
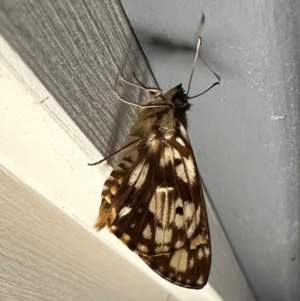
(153, 200)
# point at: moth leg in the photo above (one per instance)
(148, 89)
(141, 85)
(141, 106)
(118, 151)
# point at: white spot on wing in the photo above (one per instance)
(179, 244)
(168, 207)
(191, 263)
(169, 133)
(138, 175)
(180, 141)
(180, 168)
(124, 211)
(200, 280)
(142, 248)
(163, 236)
(190, 169)
(189, 210)
(200, 253)
(178, 202)
(197, 216)
(191, 230)
(196, 241)
(207, 251)
(190, 218)
(161, 249)
(152, 205)
(142, 176)
(108, 198)
(176, 154)
(180, 171)
(179, 261)
(166, 157)
(178, 220)
(162, 205)
(183, 131)
(147, 232)
(125, 238)
(153, 143)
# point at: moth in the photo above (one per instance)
(153, 199)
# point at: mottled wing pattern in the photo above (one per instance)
(153, 202)
(188, 267)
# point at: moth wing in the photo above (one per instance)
(188, 267)
(158, 204)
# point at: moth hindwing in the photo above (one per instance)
(153, 200)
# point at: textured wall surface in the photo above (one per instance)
(245, 132)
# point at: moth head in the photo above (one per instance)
(178, 97)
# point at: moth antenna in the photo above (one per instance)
(214, 73)
(214, 84)
(200, 26)
(194, 64)
(202, 20)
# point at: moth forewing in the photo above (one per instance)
(153, 199)
(188, 267)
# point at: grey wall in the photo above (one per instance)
(247, 154)
(245, 132)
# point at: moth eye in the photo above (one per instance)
(179, 210)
